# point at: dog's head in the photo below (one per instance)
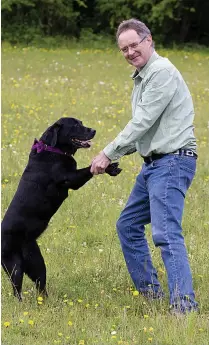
(68, 134)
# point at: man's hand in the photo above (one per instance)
(100, 163)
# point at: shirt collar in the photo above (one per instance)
(143, 70)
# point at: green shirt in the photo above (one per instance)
(162, 113)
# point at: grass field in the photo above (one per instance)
(91, 297)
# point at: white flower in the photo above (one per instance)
(113, 332)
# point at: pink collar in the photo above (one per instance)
(40, 146)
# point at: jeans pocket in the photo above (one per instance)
(187, 172)
(188, 163)
(166, 160)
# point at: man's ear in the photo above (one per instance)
(149, 39)
(50, 136)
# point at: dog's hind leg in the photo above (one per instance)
(13, 266)
(34, 266)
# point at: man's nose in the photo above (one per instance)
(131, 50)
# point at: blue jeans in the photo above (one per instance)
(158, 198)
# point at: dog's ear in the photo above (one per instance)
(50, 136)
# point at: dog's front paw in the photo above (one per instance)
(113, 169)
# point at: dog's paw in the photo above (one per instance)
(113, 169)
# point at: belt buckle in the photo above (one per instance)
(189, 153)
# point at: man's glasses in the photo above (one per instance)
(133, 46)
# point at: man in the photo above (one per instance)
(161, 131)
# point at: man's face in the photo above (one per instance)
(136, 49)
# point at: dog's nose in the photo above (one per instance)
(93, 131)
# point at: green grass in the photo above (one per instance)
(87, 279)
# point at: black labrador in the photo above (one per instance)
(50, 172)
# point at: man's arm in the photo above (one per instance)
(131, 150)
(156, 96)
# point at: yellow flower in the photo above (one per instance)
(145, 329)
(25, 313)
(70, 323)
(150, 339)
(81, 342)
(135, 293)
(60, 334)
(80, 300)
(40, 299)
(21, 320)
(31, 322)
(146, 316)
(6, 324)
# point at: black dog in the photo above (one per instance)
(43, 187)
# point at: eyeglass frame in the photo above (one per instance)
(130, 46)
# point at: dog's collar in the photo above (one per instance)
(39, 146)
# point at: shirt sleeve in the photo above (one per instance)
(158, 93)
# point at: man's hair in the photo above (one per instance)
(133, 24)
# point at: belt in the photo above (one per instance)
(180, 152)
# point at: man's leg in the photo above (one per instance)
(168, 180)
(131, 232)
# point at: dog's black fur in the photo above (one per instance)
(42, 189)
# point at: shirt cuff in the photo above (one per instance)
(111, 153)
